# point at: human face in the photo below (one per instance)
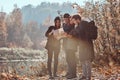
(73, 21)
(76, 22)
(67, 20)
(58, 23)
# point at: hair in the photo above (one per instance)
(57, 18)
(76, 17)
(66, 15)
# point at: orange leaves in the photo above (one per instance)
(6, 76)
(108, 73)
(107, 18)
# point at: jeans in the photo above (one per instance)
(50, 56)
(86, 69)
(71, 62)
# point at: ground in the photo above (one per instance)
(104, 73)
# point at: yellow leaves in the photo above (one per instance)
(6, 76)
(111, 63)
(108, 71)
(80, 10)
(108, 0)
(3, 75)
(112, 32)
(87, 3)
(118, 38)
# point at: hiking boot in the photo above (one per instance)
(51, 77)
(83, 78)
(71, 76)
(65, 75)
(55, 75)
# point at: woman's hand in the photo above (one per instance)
(51, 33)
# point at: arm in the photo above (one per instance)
(49, 31)
(75, 32)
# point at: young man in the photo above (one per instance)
(53, 47)
(85, 46)
(69, 46)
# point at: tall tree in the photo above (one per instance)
(14, 25)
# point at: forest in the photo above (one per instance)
(22, 40)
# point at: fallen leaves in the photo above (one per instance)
(98, 73)
(109, 73)
(6, 76)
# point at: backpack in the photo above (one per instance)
(91, 32)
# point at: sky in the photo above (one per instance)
(8, 5)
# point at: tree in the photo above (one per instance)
(14, 27)
(3, 34)
(107, 18)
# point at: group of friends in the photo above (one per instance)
(75, 40)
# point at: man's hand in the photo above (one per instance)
(70, 36)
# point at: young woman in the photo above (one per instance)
(53, 46)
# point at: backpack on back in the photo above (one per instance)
(91, 32)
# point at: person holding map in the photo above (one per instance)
(53, 46)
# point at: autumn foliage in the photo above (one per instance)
(106, 14)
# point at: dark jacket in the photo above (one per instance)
(86, 50)
(52, 43)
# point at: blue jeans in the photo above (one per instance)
(86, 69)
